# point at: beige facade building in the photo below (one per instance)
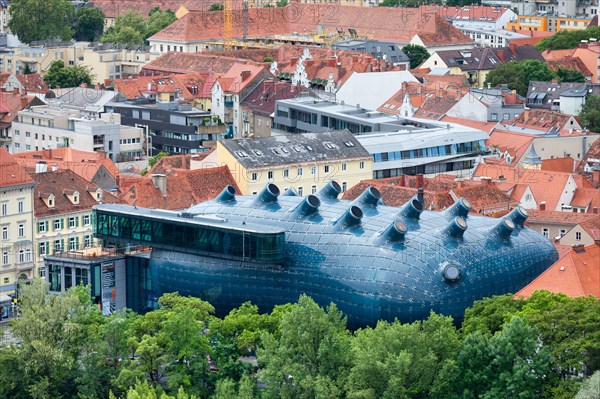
(303, 162)
(63, 219)
(104, 60)
(16, 224)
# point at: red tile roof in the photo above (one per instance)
(570, 63)
(262, 99)
(240, 76)
(83, 163)
(382, 23)
(541, 118)
(485, 126)
(113, 8)
(33, 83)
(592, 227)
(484, 197)
(63, 182)
(11, 173)
(471, 13)
(11, 103)
(182, 63)
(545, 186)
(190, 86)
(577, 273)
(586, 197)
(565, 165)
(556, 217)
(515, 143)
(185, 188)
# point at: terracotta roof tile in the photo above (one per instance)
(236, 80)
(60, 183)
(484, 197)
(33, 83)
(189, 86)
(485, 126)
(380, 23)
(541, 118)
(565, 165)
(576, 273)
(556, 217)
(11, 172)
(545, 186)
(515, 143)
(262, 99)
(183, 63)
(586, 197)
(185, 188)
(570, 63)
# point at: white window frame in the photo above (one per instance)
(361, 165)
(21, 230)
(72, 222)
(87, 220)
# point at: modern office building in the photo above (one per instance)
(374, 261)
(171, 127)
(398, 145)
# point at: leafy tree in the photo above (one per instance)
(517, 74)
(225, 389)
(247, 389)
(158, 20)
(27, 69)
(153, 160)
(216, 7)
(267, 59)
(282, 3)
(396, 360)
(60, 76)
(389, 3)
(590, 113)
(462, 3)
(41, 20)
(130, 28)
(245, 324)
(489, 315)
(510, 364)
(567, 39)
(590, 388)
(570, 75)
(55, 331)
(312, 351)
(416, 54)
(89, 24)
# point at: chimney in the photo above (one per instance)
(554, 80)
(596, 176)
(41, 167)
(245, 75)
(331, 62)
(543, 206)
(420, 181)
(47, 153)
(309, 62)
(405, 86)
(293, 61)
(160, 182)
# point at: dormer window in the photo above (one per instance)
(48, 199)
(76, 197)
(51, 202)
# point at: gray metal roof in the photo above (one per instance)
(296, 149)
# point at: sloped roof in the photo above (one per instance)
(577, 273)
(570, 63)
(480, 59)
(295, 149)
(565, 165)
(592, 227)
(185, 188)
(11, 173)
(485, 126)
(382, 23)
(541, 118)
(518, 53)
(585, 197)
(262, 99)
(183, 83)
(556, 217)
(234, 80)
(11, 103)
(60, 183)
(174, 63)
(485, 196)
(33, 83)
(545, 186)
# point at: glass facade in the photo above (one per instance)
(328, 256)
(214, 241)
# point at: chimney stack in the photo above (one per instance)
(543, 206)
(331, 62)
(293, 61)
(160, 182)
(245, 75)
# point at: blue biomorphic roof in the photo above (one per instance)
(374, 261)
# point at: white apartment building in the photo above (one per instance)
(44, 126)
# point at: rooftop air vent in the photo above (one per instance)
(227, 195)
(461, 208)
(330, 190)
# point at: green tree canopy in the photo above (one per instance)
(590, 114)
(416, 54)
(158, 20)
(569, 75)
(33, 20)
(568, 39)
(89, 24)
(73, 76)
(518, 74)
(216, 7)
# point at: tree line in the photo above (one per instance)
(60, 19)
(547, 346)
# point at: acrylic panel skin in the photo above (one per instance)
(374, 261)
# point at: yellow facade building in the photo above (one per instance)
(304, 162)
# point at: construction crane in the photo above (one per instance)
(228, 22)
